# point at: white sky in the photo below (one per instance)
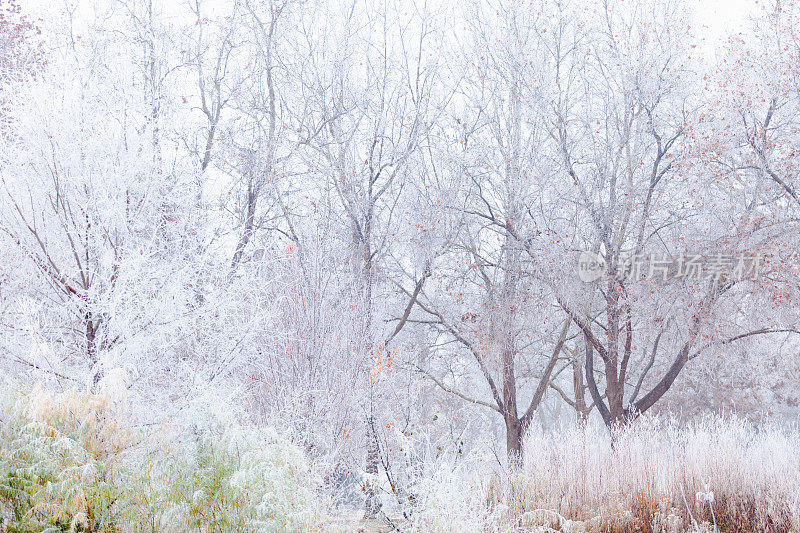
(714, 20)
(715, 17)
(718, 18)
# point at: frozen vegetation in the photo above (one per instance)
(399, 265)
(76, 461)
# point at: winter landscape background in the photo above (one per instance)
(401, 265)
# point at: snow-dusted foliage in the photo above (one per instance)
(62, 460)
(218, 475)
(276, 264)
(79, 461)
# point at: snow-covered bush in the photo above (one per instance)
(237, 479)
(61, 460)
(77, 461)
(454, 500)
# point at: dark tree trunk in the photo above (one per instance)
(372, 504)
(580, 393)
(514, 439)
(249, 225)
(92, 326)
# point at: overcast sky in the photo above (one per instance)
(715, 19)
(718, 17)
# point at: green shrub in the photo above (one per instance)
(60, 461)
(234, 479)
(74, 462)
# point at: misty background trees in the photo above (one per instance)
(361, 222)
